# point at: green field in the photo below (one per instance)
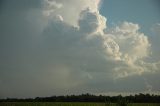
(70, 104)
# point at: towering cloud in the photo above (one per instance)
(62, 7)
(64, 46)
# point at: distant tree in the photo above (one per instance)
(107, 101)
(122, 102)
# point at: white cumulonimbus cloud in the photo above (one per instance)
(65, 46)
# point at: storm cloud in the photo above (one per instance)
(56, 47)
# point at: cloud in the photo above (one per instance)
(60, 47)
(91, 22)
(133, 47)
(131, 41)
(73, 16)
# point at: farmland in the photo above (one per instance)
(70, 104)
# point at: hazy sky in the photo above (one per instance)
(59, 47)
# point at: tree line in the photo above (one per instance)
(138, 98)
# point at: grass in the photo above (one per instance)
(70, 104)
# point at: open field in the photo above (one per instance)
(70, 104)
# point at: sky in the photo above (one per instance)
(143, 12)
(64, 47)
